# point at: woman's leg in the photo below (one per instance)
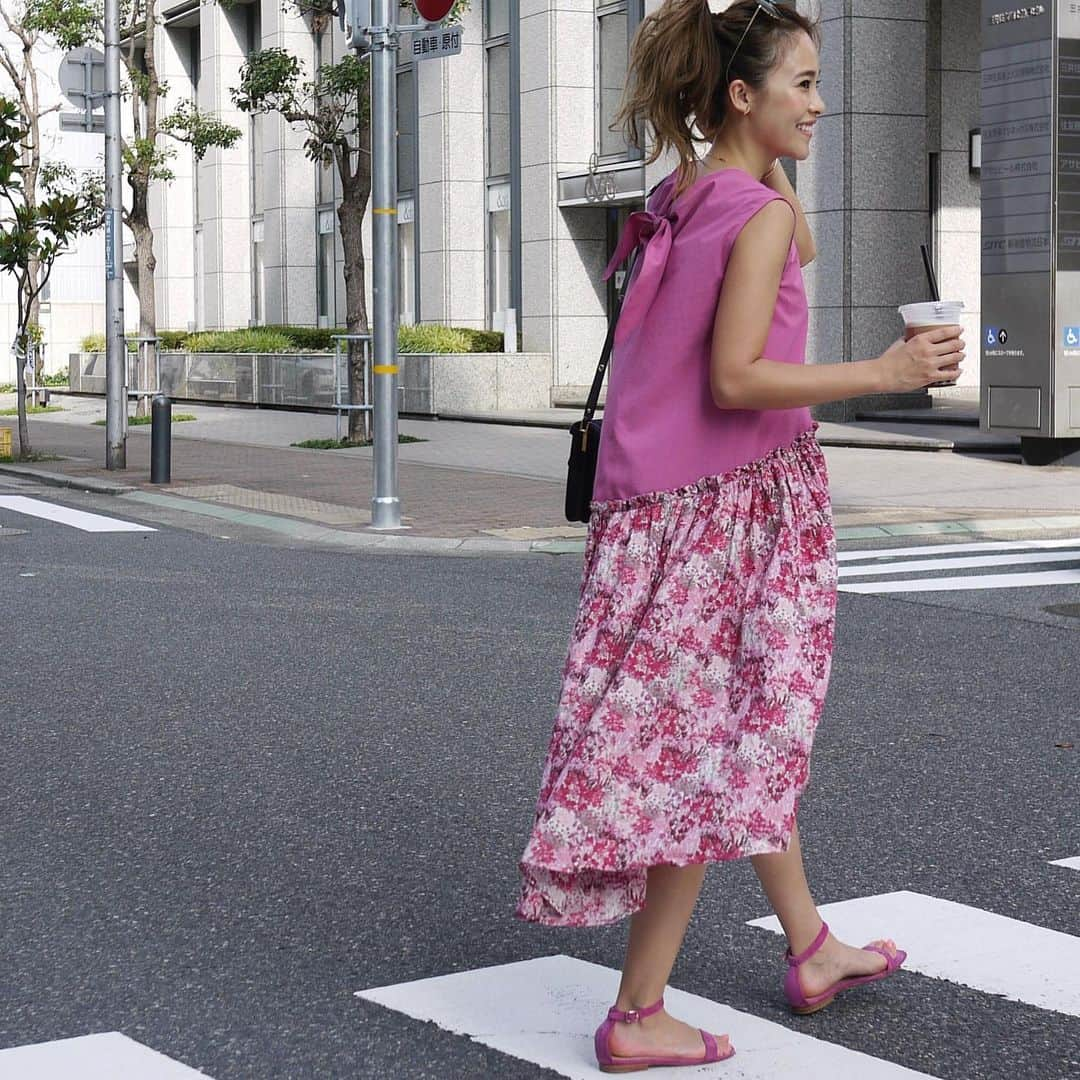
(784, 880)
(656, 934)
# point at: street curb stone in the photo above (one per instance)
(80, 483)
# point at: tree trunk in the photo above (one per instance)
(146, 263)
(350, 214)
(139, 181)
(25, 449)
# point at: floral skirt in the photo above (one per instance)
(696, 675)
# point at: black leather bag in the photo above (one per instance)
(585, 433)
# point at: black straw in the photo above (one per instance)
(931, 279)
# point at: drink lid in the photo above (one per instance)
(932, 311)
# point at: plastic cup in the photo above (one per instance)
(919, 318)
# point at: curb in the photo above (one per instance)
(474, 545)
(303, 530)
(79, 483)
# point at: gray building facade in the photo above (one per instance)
(513, 189)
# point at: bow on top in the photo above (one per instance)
(654, 231)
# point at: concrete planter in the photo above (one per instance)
(430, 384)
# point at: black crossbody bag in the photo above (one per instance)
(585, 433)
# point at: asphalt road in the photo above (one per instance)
(240, 782)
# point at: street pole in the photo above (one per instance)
(385, 505)
(115, 356)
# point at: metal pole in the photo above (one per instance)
(385, 505)
(115, 354)
(160, 440)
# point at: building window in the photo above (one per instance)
(326, 267)
(407, 139)
(616, 22)
(498, 57)
(498, 107)
(406, 216)
(499, 254)
(255, 171)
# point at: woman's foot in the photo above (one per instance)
(835, 961)
(660, 1035)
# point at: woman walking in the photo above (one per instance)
(700, 657)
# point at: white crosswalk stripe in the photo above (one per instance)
(65, 515)
(108, 1055)
(966, 945)
(861, 571)
(545, 1010)
(1071, 864)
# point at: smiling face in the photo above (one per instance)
(785, 109)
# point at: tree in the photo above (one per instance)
(36, 227)
(72, 21)
(147, 154)
(335, 110)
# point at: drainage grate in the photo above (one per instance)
(1070, 611)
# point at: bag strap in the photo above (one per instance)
(605, 354)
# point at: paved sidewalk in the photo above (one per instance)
(478, 481)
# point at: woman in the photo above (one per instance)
(700, 657)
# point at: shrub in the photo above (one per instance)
(58, 378)
(172, 339)
(257, 339)
(484, 340)
(92, 343)
(317, 339)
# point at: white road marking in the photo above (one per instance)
(108, 1055)
(956, 584)
(77, 519)
(1071, 864)
(970, 562)
(965, 945)
(948, 549)
(545, 1011)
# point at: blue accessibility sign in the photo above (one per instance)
(996, 335)
(1071, 335)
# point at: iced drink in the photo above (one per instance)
(919, 318)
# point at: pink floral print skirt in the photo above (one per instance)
(695, 678)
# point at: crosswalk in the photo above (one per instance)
(907, 569)
(545, 1010)
(26, 506)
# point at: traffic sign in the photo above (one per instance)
(436, 43)
(433, 10)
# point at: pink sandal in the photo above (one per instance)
(804, 1005)
(609, 1063)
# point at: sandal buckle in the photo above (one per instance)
(633, 1016)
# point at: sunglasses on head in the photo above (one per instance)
(771, 10)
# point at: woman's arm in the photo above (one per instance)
(741, 378)
(804, 240)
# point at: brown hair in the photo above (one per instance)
(677, 64)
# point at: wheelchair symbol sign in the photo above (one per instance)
(1072, 337)
(991, 335)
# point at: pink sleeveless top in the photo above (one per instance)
(662, 430)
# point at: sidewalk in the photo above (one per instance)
(496, 481)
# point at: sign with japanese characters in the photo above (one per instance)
(436, 43)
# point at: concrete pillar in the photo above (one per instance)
(451, 182)
(289, 220)
(865, 185)
(953, 107)
(225, 178)
(172, 204)
(562, 250)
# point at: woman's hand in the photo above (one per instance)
(931, 357)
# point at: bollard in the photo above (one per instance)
(160, 440)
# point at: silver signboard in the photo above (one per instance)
(1030, 179)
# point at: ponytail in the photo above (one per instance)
(676, 78)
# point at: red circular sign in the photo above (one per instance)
(433, 10)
